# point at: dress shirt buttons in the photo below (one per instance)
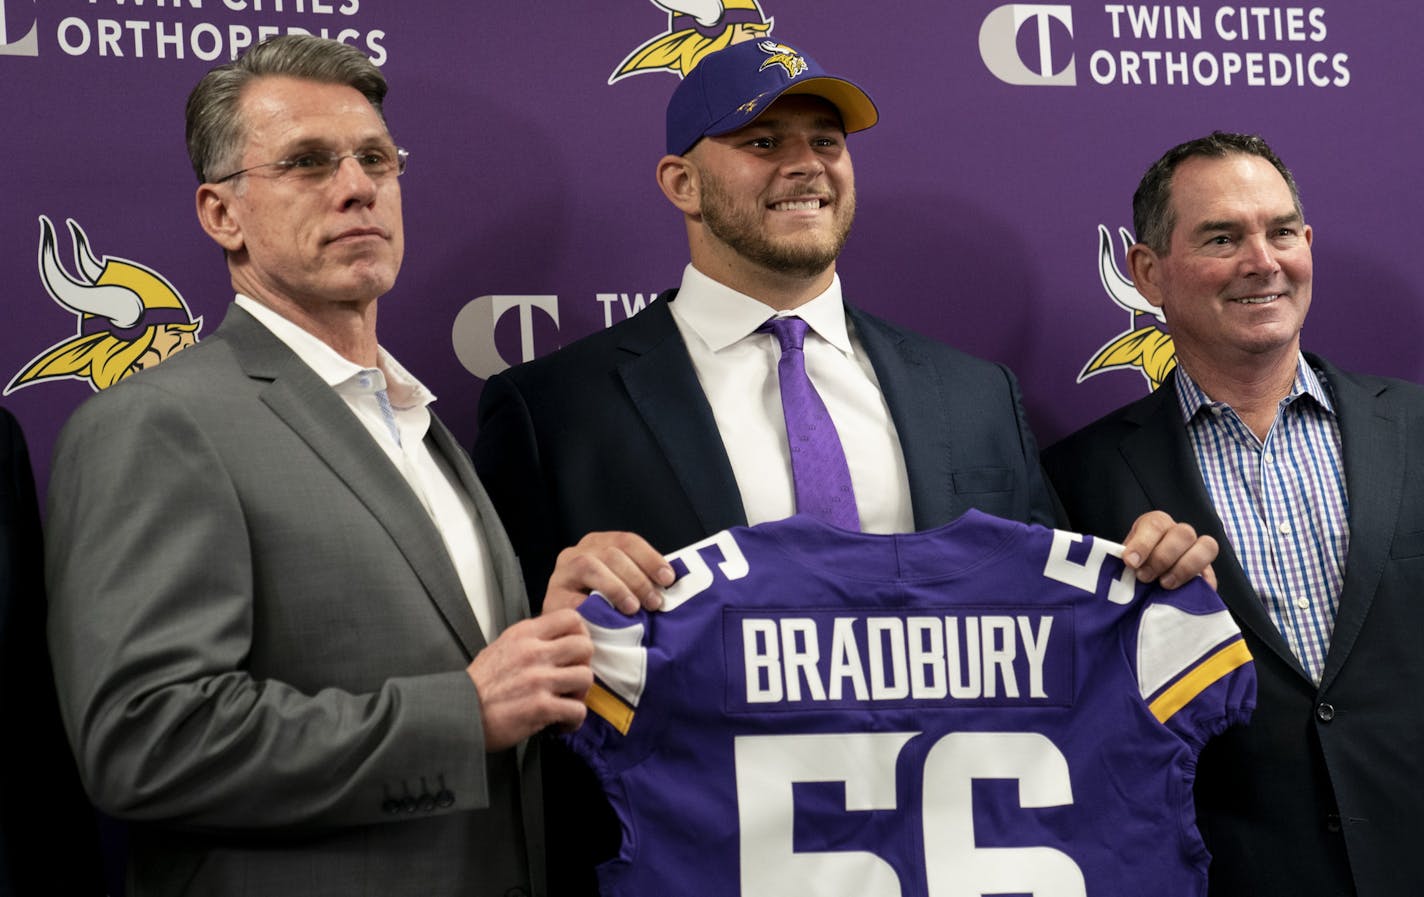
(1302, 602)
(1284, 528)
(1325, 712)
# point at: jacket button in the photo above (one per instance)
(444, 798)
(1325, 712)
(1332, 822)
(390, 806)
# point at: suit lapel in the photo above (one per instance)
(1373, 440)
(323, 421)
(663, 387)
(1160, 456)
(913, 394)
(514, 600)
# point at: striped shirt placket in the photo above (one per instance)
(1282, 504)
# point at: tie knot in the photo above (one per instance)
(789, 331)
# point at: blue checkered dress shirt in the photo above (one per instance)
(1282, 504)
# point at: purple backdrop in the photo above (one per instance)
(1009, 135)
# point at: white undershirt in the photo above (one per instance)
(430, 476)
(737, 369)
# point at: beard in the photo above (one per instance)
(741, 227)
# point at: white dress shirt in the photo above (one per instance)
(392, 405)
(737, 368)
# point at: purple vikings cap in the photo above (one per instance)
(730, 88)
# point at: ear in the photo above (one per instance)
(215, 214)
(1145, 266)
(681, 183)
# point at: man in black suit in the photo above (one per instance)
(1311, 480)
(670, 424)
(43, 810)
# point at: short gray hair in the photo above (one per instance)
(215, 129)
(1152, 216)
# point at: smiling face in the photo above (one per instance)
(1235, 281)
(301, 242)
(774, 198)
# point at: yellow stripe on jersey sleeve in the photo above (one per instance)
(1200, 679)
(1171, 641)
(607, 705)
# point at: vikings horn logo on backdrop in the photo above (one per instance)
(695, 28)
(129, 316)
(1147, 349)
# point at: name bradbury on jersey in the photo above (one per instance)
(800, 659)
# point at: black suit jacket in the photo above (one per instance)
(1323, 793)
(42, 806)
(614, 433)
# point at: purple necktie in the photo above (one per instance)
(818, 463)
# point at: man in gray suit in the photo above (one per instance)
(288, 629)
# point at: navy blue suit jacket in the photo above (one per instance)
(1323, 793)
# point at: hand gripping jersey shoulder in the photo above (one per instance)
(986, 708)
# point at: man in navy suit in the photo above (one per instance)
(670, 424)
(1310, 479)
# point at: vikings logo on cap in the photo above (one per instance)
(730, 88)
(129, 316)
(695, 28)
(1148, 350)
(784, 56)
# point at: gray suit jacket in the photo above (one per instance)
(1323, 793)
(260, 641)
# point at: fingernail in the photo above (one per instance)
(1132, 559)
(665, 576)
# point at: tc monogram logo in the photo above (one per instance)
(19, 28)
(998, 44)
(473, 331)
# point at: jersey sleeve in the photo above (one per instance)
(620, 680)
(632, 652)
(1194, 670)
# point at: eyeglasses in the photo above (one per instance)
(316, 166)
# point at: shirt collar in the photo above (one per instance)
(721, 316)
(402, 389)
(1191, 399)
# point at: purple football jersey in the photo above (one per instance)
(988, 708)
